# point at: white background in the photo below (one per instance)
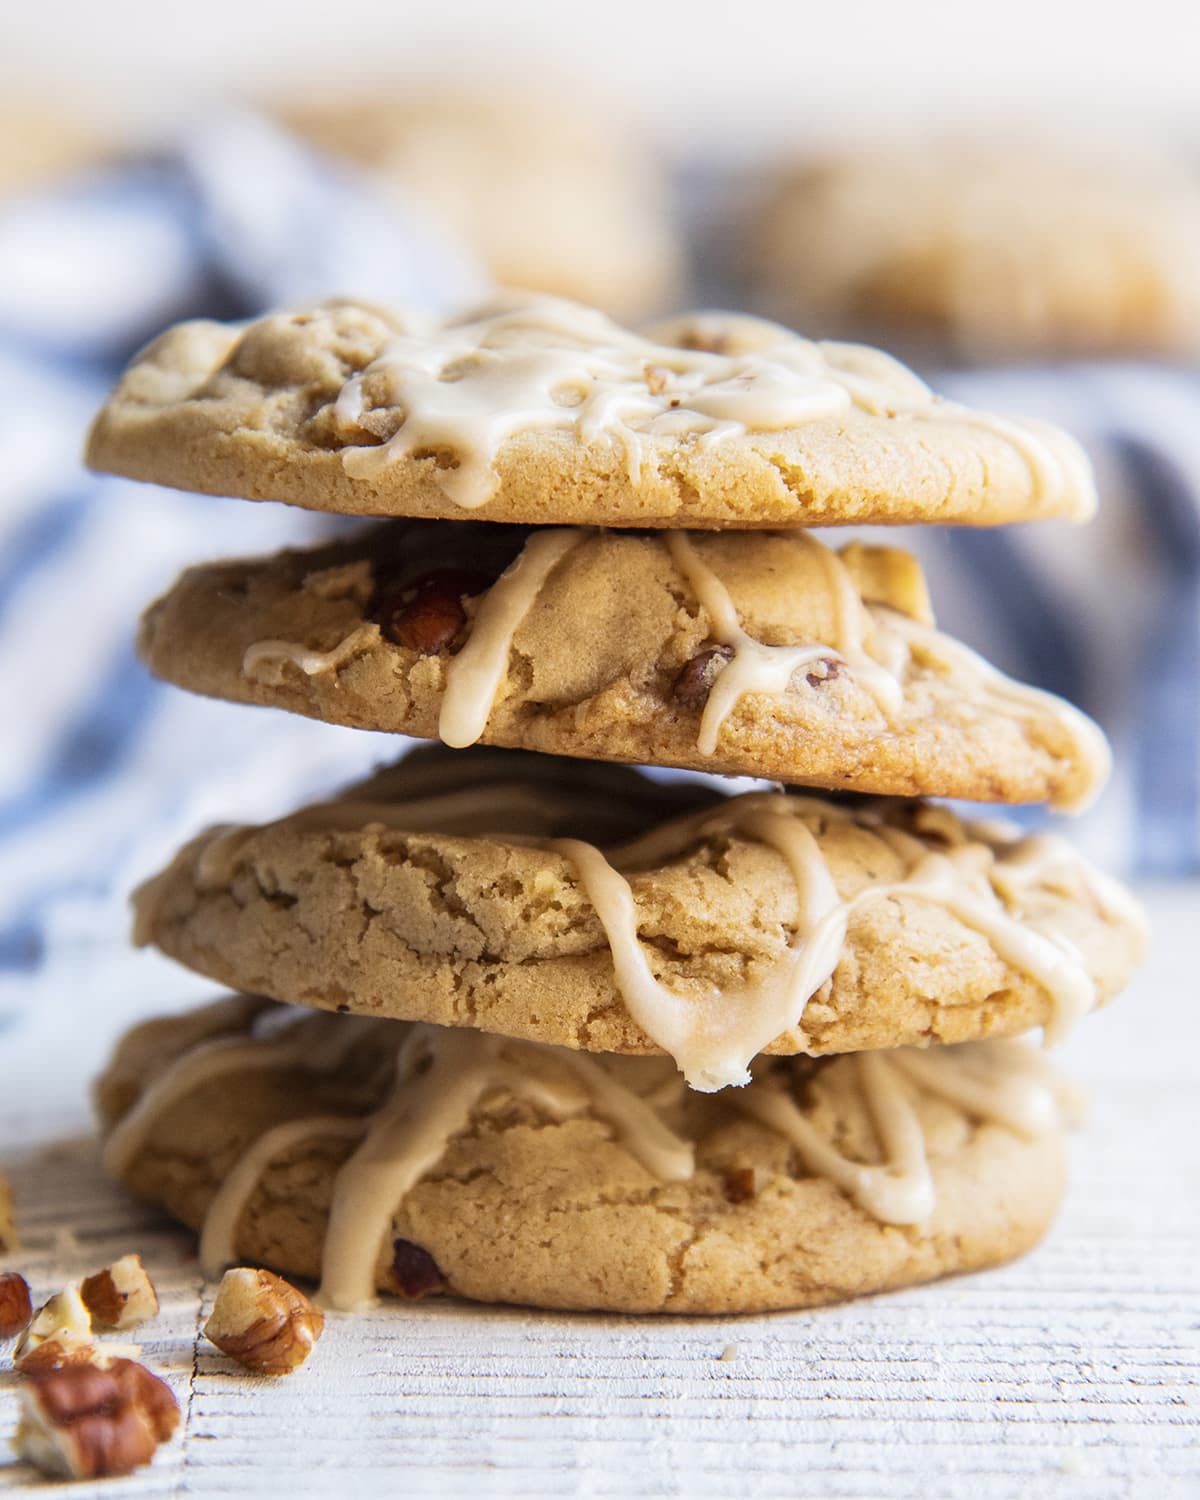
(724, 75)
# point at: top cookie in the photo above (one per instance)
(536, 410)
(988, 249)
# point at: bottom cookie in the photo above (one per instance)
(382, 1155)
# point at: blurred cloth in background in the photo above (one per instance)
(104, 771)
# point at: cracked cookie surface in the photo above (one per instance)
(362, 904)
(528, 1206)
(617, 654)
(540, 411)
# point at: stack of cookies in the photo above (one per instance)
(524, 1026)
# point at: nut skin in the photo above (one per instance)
(54, 1354)
(696, 677)
(658, 378)
(427, 616)
(263, 1321)
(121, 1295)
(708, 337)
(59, 1333)
(16, 1305)
(822, 671)
(87, 1421)
(740, 1184)
(415, 1273)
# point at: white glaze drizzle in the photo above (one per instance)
(218, 1235)
(1004, 1083)
(713, 1036)
(442, 1074)
(1008, 890)
(995, 690)
(324, 1037)
(759, 668)
(262, 660)
(475, 675)
(539, 364)
(898, 1192)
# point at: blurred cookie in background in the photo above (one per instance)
(41, 142)
(554, 195)
(983, 250)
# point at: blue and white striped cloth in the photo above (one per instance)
(103, 771)
(1107, 615)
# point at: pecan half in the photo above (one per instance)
(427, 616)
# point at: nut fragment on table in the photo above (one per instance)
(59, 1333)
(16, 1306)
(86, 1421)
(121, 1295)
(263, 1322)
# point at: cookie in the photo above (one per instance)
(536, 410)
(8, 1223)
(550, 193)
(749, 653)
(468, 888)
(987, 249)
(416, 1159)
(41, 142)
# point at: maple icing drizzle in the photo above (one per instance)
(443, 1074)
(474, 677)
(1011, 891)
(524, 363)
(262, 661)
(758, 668)
(876, 646)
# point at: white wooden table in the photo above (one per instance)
(1075, 1373)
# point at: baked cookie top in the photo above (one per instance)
(595, 908)
(537, 410)
(749, 653)
(987, 249)
(417, 1159)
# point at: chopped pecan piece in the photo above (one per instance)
(89, 1421)
(16, 1307)
(741, 1184)
(695, 679)
(120, 1296)
(427, 616)
(263, 1321)
(416, 1272)
(60, 1333)
(824, 670)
